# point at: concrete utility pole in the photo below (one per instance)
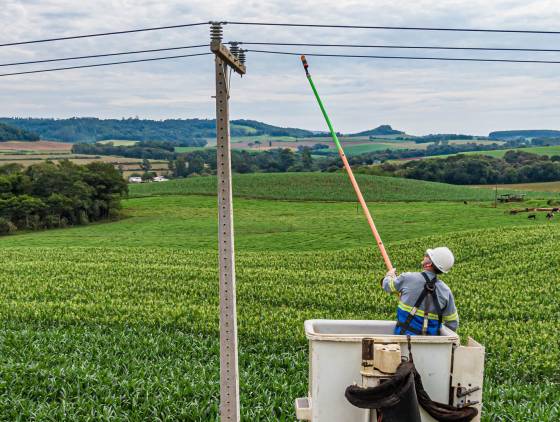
(229, 372)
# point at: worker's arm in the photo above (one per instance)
(450, 315)
(393, 283)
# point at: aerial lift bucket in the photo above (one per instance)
(453, 374)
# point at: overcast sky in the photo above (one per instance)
(418, 97)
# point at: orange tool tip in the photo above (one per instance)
(304, 61)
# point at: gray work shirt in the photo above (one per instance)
(409, 286)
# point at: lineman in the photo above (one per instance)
(425, 301)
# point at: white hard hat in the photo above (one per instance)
(442, 258)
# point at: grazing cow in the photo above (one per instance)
(532, 216)
(549, 216)
(465, 202)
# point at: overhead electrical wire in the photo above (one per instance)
(276, 44)
(414, 47)
(270, 52)
(103, 34)
(400, 28)
(92, 56)
(384, 46)
(104, 64)
(404, 57)
(302, 25)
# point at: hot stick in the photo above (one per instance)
(349, 170)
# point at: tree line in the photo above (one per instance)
(438, 148)
(515, 167)
(10, 133)
(439, 137)
(155, 150)
(50, 195)
(191, 131)
(271, 161)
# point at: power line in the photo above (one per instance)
(102, 34)
(104, 64)
(405, 57)
(400, 28)
(276, 44)
(419, 47)
(102, 55)
(159, 28)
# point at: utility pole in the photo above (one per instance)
(229, 371)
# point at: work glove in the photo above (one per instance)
(391, 273)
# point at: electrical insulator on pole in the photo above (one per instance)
(234, 48)
(242, 57)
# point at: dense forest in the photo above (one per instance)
(516, 134)
(190, 132)
(438, 137)
(10, 133)
(271, 161)
(49, 195)
(514, 167)
(154, 150)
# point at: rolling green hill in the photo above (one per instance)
(380, 130)
(158, 221)
(89, 129)
(320, 187)
(548, 150)
(499, 153)
(532, 133)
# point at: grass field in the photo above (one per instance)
(35, 146)
(188, 149)
(128, 165)
(498, 153)
(552, 150)
(353, 145)
(275, 225)
(536, 187)
(119, 321)
(374, 146)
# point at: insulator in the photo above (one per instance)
(216, 31)
(234, 49)
(242, 56)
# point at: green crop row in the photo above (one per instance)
(132, 333)
(319, 187)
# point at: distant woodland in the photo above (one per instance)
(154, 150)
(50, 195)
(11, 133)
(189, 132)
(515, 167)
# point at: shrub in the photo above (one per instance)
(6, 226)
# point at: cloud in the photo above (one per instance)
(419, 97)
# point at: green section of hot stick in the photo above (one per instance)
(333, 133)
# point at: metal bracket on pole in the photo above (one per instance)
(223, 53)
(229, 371)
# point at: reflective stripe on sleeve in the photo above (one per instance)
(392, 285)
(452, 317)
